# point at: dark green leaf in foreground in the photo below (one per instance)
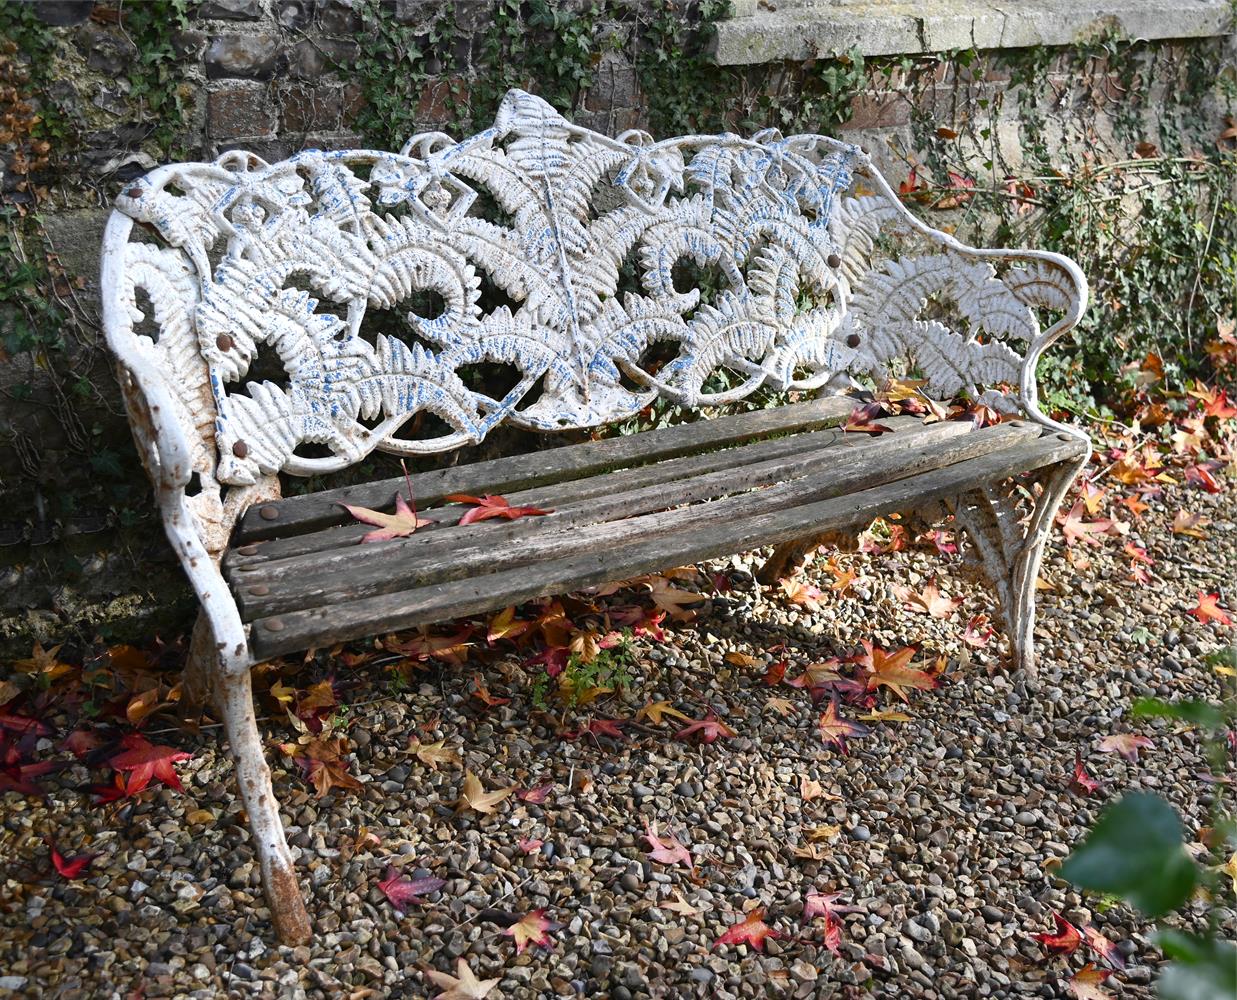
(1135, 852)
(1200, 713)
(1201, 968)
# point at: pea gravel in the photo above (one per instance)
(949, 826)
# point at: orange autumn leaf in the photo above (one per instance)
(1208, 609)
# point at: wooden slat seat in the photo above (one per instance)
(617, 510)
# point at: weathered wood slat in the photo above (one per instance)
(479, 594)
(342, 575)
(743, 462)
(555, 495)
(295, 515)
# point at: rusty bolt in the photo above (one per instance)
(833, 260)
(224, 342)
(852, 340)
(269, 512)
(273, 625)
(248, 550)
(240, 449)
(259, 590)
(134, 192)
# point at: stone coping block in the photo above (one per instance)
(764, 31)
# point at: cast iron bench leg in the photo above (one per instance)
(234, 696)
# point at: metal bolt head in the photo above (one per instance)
(240, 449)
(1065, 437)
(269, 512)
(134, 192)
(224, 342)
(248, 550)
(852, 340)
(833, 260)
(273, 625)
(259, 590)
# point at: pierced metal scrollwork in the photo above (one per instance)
(289, 257)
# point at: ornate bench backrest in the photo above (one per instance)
(513, 248)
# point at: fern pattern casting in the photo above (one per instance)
(290, 257)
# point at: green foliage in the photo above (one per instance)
(1202, 968)
(392, 67)
(157, 73)
(685, 90)
(1136, 852)
(30, 319)
(610, 670)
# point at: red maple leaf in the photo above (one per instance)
(24, 725)
(822, 904)
(147, 761)
(401, 891)
(834, 730)
(1209, 609)
(492, 505)
(708, 729)
(1103, 947)
(1083, 780)
(668, 850)
(862, 419)
(69, 868)
(751, 930)
(535, 795)
(774, 673)
(1076, 529)
(1064, 940)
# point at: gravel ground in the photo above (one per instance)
(948, 826)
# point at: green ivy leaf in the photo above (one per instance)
(1135, 852)
(1202, 968)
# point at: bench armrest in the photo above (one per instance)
(165, 450)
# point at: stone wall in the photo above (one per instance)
(79, 549)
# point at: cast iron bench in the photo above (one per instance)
(384, 291)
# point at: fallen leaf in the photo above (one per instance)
(433, 754)
(929, 601)
(1208, 609)
(1064, 940)
(822, 904)
(1126, 744)
(889, 669)
(668, 850)
(463, 985)
(708, 729)
(322, 762)
(1085, 985)
(862, 420)
(69, 868)
(887, 715)
(474, 796)
(751, 931)
(1185, 523)
(782, 706)
(491, 506)
(1078, 530)
(535, 795)
(401, 524)
(681, 605)
(529, 845)
(1082, 780)
(680, 906)
(533, 928)
(656, 712)
(834, 730)
(1103, 947)
(401, 891)
(144, 760)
